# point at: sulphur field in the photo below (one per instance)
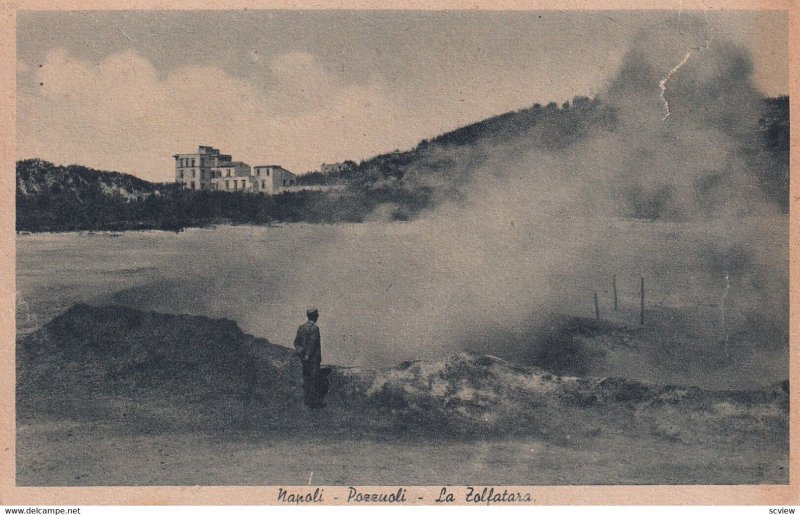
(483, 365)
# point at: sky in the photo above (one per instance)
(126, 90)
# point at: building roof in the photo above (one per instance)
(274, 166)
(231, 164)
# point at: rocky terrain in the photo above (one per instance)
(106, 372)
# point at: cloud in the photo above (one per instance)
(121, 114)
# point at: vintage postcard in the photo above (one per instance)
(422, 254)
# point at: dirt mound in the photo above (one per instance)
(91, 356)
(147, 370)
(473, 395)
(123, 348)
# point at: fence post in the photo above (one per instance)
(641, 303)
(596, 307)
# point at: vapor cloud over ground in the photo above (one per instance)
(535, 232)
(661, 182)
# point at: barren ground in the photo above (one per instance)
(444, 420)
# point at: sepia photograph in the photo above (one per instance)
(345, 253)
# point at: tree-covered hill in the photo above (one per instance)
(72, 198)
(402, 184)
(37, 177)
(447, 160)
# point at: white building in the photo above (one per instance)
(233, 176)
(208, 169)
(271, 179)
(193, 171)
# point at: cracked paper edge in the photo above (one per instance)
(662, 84)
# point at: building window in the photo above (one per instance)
(192, 162)
(235, 185)
(267, 172)
(192, 185)
(227, 185)
(263, 184)
(181, 174)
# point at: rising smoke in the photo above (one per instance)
(535, 231)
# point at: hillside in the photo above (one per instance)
(774, 127)
(37, 177)
(548, 127)
(99, 373)
(51, 197)
(448, 160)
(397, 185)
(74, 198)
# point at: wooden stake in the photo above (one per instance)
(614, 284)
(596, 308)
(641, 303)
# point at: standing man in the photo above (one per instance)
(308, 346)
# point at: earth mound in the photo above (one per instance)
(90, 358)
(141, 371)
